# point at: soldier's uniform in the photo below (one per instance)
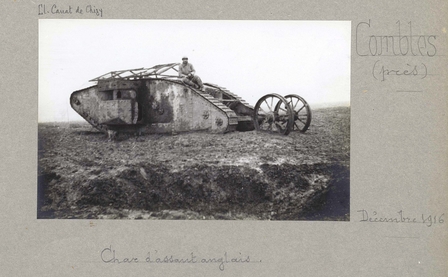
(193, 79)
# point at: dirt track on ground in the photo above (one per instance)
(239, 175)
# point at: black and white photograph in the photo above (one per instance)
(224, 138)
(194, 120)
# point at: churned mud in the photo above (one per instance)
(239, 175)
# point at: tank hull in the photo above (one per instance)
(151, 106)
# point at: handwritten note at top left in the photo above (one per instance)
(44, 9)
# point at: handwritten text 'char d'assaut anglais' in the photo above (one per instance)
(110, 256)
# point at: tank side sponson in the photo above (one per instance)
(171, 106)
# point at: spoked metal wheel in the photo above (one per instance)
(268, 118)
(302, 112)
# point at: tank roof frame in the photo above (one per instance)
(156, 71)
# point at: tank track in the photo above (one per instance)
(231, 115)
(230, 94)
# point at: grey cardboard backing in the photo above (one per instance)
(399, 161)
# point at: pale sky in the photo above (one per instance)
(250, 58)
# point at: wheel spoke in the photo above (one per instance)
(298, 100)
(261, 110)
(301, 108)
(300, 120)
(279, 127)
(270, 109)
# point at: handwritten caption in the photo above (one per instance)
(380, 71)
(110, 256)
(403, 42)
(400, 217)
(44, 9)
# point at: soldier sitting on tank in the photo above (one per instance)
(187, 73)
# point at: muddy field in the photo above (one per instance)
(239, 175)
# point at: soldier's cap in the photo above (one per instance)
(184, 58)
